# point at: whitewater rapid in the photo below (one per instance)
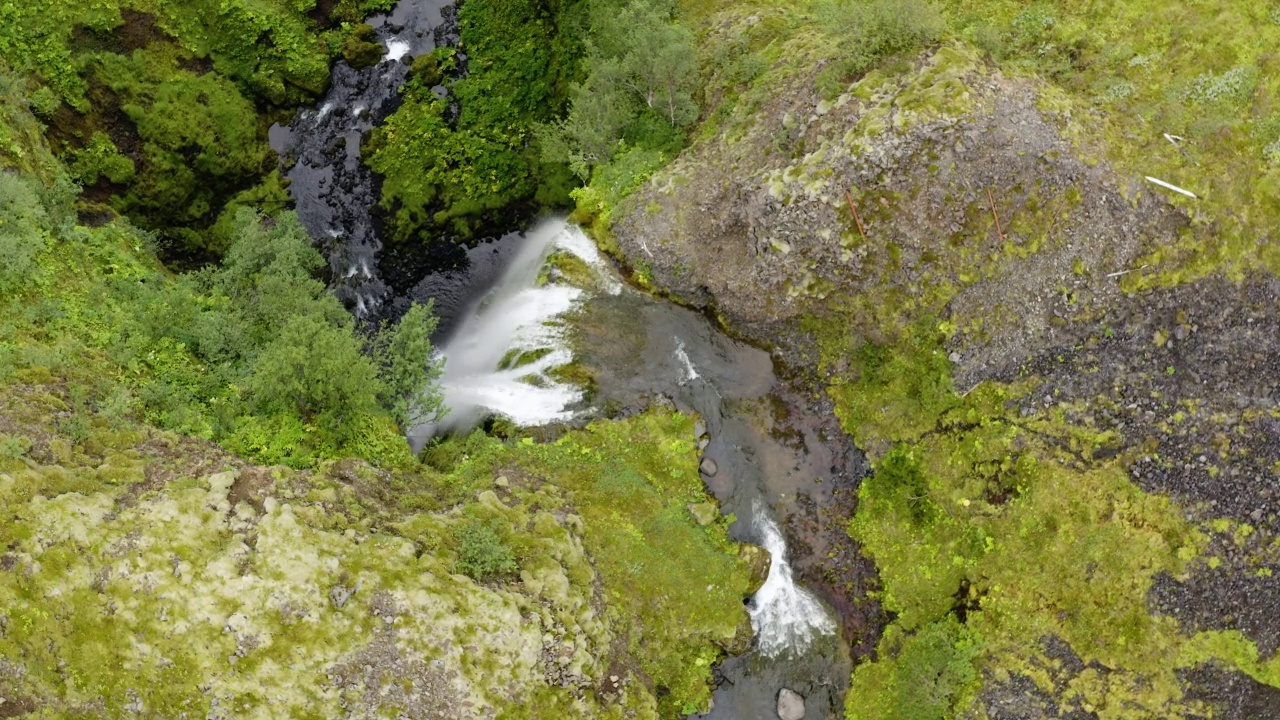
(785, 616)
(499, 361)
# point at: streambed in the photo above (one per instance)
(641, 351)
(505, 332)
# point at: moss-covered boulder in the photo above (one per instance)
(361, 49)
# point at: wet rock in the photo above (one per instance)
(758, 560)
(790, 705)
(708, 467)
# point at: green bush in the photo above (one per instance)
(639, 90)
(871, 31)
(199, 137)
(22, 230)
(408, 368)
(482, 556)
(462, 176)
(925, 679)
(257, 353)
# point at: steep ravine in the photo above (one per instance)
(986, 329)
(495, 315)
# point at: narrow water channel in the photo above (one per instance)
(641, 350)
(503, 332)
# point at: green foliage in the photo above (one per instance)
(268, 48)
(632, 482)
(482, 556)
(870, 31)
(313, 370)
(23, 223)
(361, 49)
(901, 389)
(460, 177)
(100, 158)
(201, 139)
(639, 89)
(991, 534)
(925, 676)
(409, 371)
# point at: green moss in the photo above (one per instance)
(361, 49)
(613, 582)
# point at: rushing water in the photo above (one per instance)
(505, 329)
(334, 191)
(640, 349)
(499, 357)
(786, 617)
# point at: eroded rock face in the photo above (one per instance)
(760, 226)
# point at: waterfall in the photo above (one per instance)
(499, 359)
(785, 616)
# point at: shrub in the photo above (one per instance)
(929, 676)
(22, 234)
(315, 371)
(878, 29)
(408, 368)
(482, 556)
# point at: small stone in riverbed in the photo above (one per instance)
(709, 467)
(790, 705)
(954, 357)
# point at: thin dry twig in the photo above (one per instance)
(854, 209)
(999, 229)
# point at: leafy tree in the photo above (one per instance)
(642, 65)
(592, 132)
(408, 370)
(659, 61)
(316, 371)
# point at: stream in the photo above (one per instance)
(765, 454)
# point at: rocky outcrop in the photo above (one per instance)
(761, 225)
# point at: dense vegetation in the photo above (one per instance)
(253, 353)
(116, 371)
(160, 108)
(465, 175)
(551, 90)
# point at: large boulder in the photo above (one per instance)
(790, 705)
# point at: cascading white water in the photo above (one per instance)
(785, 616)
(690, 372)
(517, 322)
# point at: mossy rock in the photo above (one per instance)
(758, 561)
(426, 70)
(362, 50)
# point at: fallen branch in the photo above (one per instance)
(1176, 141)
(854, 209)
(1174, 188)
(999, 229)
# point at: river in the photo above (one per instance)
(639, 349)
